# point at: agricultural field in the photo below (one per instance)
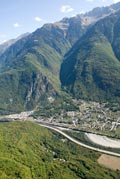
(109, 161)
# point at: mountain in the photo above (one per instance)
(29, 68)
(91, 17)
(101, 12)
(4, 46)
(28, 151)
(91, 69)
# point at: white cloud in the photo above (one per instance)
(89, 0)
(96, 0)
(4, 41)
(38, 19)
(16, 25)
(115, 1)
(66, 9)
(2, 36)
(81, 12)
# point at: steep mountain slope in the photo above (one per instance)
(91, 70)
(29, 69)
(26, 74)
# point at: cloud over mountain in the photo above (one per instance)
(16, 25)
(66, 9)
(38, 19)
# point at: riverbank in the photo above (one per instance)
(103, 141)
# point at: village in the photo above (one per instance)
(89, 116)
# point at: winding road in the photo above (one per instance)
(77, 142)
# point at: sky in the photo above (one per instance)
(21, 16)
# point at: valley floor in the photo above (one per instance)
(103, 140)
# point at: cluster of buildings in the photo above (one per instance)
(90, 116)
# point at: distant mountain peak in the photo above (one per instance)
(100, 12)
(4, 46)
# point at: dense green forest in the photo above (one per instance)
(28, 151)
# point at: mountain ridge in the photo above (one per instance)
(31, 66)
(4, 46)
(94, 63)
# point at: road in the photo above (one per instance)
(77, 142)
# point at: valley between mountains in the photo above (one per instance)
(77, 55)
(64, 76)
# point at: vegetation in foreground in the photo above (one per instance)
(28, 151)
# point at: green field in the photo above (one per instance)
(28, 151)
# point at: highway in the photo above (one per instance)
(77, 142)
